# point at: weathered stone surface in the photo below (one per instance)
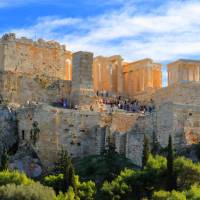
(108, 74)
(183, 70)
(82, 93)
(140, 76)
(37, 71)
(180, 93)
(8, 129)
(20, 89)
(33, 58)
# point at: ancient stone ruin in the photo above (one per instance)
(57, 99)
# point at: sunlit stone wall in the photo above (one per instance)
(140, 76)
(107, 74)
(183, 71)
(34, 57)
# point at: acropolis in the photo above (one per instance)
(77, 100)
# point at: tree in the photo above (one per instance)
(164, 195)
(171, 177)
(4, 160)
(86, 190)
(187, 173)
(146, 152)
(65, 167)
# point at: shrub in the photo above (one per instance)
(70, 195)
(14, 177)
(187, 172)
(164, 195)
(120, 187)
(86, 190)
(193, 193)
(34, 191)
(55, 181)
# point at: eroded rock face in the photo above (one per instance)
(26, 160)
(8, 130)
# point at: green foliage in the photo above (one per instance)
(146, 151)
(64, 166)
(119, 188)
(171, 177)
(4, 161)
(34, 191)
(158, 163)
(14, 177)
(85, 190)
(98, 169)
(70, 195)
(164, 195)
(187, 172)
(193, 193)
(137, 183)
(55, 181)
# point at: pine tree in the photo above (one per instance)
(171, 177)
(71, 178)
(65, 166)
(146, 152)
(4, 160)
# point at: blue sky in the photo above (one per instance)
(163, 30)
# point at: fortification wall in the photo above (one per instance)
(82, 133)
(20, 88)
(181, 121)
(33, 57)
(182, 93)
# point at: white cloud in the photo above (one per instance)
(165, 33)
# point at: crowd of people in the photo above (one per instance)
(128, 104)
(112, 103)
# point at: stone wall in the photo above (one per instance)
(82, 93)
(33, 57)
(73, 130)
(82, 133)
(140, 76)
(108, 74)
(183, 70)
(181, 121)
(20, 88)
(182, 93)
(85, 133)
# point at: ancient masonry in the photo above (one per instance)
(36, 74)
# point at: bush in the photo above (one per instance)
(119, 188)
(164, 195)
(193, 193)
(14, 177)
(70, 195)
(55, 181)
(34, 191)
(86, 190)
(187, 172)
